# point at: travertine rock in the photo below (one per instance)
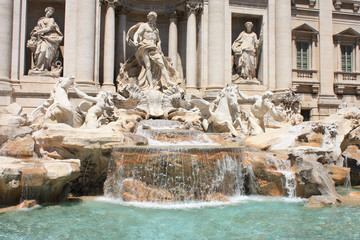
(322, 201)
(135, 190)
(313, 177)
(216, 197)
(12, 124)
(42, 180)
(88, 145)
(339, 174)
(20, 147)
(352, 160)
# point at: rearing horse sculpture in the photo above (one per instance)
(223, 114)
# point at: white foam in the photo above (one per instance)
(30, 209)
(197, 204)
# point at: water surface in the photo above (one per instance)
(243, 218)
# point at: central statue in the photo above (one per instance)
(156, 71)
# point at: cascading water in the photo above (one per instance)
(185, 173)
(347, 181)
(284, 167)
(177, 165)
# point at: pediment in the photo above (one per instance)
(348, 33)
(305, 28)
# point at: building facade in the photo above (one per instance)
(310, 44)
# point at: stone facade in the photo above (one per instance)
(310, 44)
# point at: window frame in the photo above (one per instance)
(300, 46)
(345, 57)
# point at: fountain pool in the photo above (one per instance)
(243, 218)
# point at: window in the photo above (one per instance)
(347, 58)
(302, 55)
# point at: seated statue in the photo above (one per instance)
(262, 106)
(58, 107)
(44, 43)
(102, 102)
(156, 71)
(246, 49)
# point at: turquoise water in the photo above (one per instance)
(244, 218)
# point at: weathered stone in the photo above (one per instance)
(12, 124)
(352, 160)
(23, 205)
(43, 180)
(20, 147)
(339, 174)
(216, 197)
(135, 190)
(269, 179)
(322, 201)
(88, 145)
(313, 177)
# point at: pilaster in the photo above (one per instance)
(327, 102)
(283, 44)
(85, 42)
(216, 47)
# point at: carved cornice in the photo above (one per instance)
(250, 3)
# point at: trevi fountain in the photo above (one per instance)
(155, 160)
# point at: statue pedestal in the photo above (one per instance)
(45, 73)
(236, 79)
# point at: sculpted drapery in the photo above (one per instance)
(44, 43)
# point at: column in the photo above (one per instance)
(173, 38)
(85, 41)
(191, 46)
(283, 43)
(70, 34)
(357, 62)
(216, 47)
(326, 43)
(121, 38)
(6, 13)
(109, 47)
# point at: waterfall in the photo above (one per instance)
(163, 173)
(347, 181)
(284, 167)
(30, 189)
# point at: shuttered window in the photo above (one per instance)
(347, 58)
(302, 55)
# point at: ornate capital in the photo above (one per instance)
(110, 3)
(337, 4)
(173, 14)
(194, 7)
(122, 10)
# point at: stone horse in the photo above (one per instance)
(223, 114)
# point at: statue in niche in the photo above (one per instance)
(247, 49)
(58, 107)
(149, 69)
(102, 102)
(44, 44)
